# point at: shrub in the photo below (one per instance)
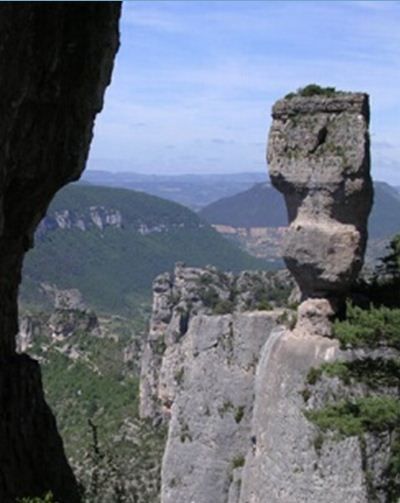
(313, 90)
(369, 328)
(238, 462)
(209, 297)
(239, 413)
(223, 307)
(355, 417)
(47, 498)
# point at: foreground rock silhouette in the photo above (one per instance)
(56, 61)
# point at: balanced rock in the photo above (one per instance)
(318, 155)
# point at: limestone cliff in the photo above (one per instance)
(198, 373)
(56, 61)
(318, 155)
(319, 159)
(234, 391)
(236, 387)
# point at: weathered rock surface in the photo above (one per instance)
(188, 292)
(198, 373)
(318, 155)
(233, 389)
(57, 326)
(285, 464)
(97, 216)
(314, 317)
(207, 382)
(56, 61)
(292, 460)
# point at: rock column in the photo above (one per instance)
(318, 155)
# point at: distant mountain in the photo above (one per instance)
(193, 191)
(111, 243)
(384, 220)
(263, 206)
(254, 219)
(259, 206)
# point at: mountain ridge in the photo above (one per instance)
(192, 190)
(263, 206)
(110, 243)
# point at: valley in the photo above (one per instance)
(256, 220)
(110, 243)
(86, 316)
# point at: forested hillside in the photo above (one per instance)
(111, 243)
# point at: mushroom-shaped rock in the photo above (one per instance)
(318, 156)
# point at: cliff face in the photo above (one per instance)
(233, 390)
(56, 61)
(198, 374)
(236, 388)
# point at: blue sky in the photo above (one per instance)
(195, 81)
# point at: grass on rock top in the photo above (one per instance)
(314, 90)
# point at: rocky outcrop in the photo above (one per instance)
(198, 373)
(234, 390)
(234, 385)
(179, 297)
(318, 155)
(97, 216)
(70, 298)
(293, 460)
(57, 326)
(207, 389)
(56, 61)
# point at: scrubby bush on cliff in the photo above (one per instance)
(313, 90)
(367, 402)
(383, 288)
(390, 265)
(47, 498)
(369, 328)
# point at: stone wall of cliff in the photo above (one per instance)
(234, 390)
(198, 372)
(235, 387)
(56, 61)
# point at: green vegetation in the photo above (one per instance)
(114, 267)
(223, 307)
(375, 372)
(179, 375)
(239, 413)
(88, 388)
(369, 328)
(314, 90)
(185, 433)
(47, 498)
(358, 416)
(371, 404)
(226, 407)
(391, 262)
(238, 462)
(209, 296)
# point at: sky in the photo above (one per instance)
(194, 81)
